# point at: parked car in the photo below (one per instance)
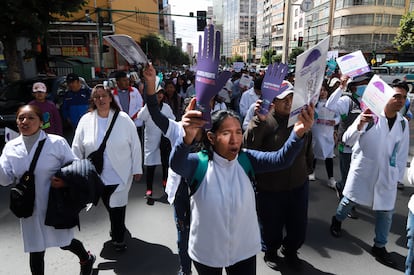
(18, 93)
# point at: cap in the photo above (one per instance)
(333, 81)
(39, 87)
(286, 92)
(72, 77)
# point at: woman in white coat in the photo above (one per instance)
(155, 151)
(323, 135)
(14, 161)
(122, 156)
(379, 158)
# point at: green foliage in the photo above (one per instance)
(237, 58)
(295, 52)
(277, 58)
(31, 18)
(267, 57)
(161, 50)
(404, 39)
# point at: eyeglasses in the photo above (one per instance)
(100, 96)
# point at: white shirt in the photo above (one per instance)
(248, 98)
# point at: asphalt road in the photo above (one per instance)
(152, 240)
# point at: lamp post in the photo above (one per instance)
(309, 22)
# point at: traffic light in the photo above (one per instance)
(105, 48)
(300, 41)
(254, 41)
(201, 20)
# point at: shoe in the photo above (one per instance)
(338, 190)
(119, 246)
(353, 214)
(332, 183)
(148, 194)
(87, 266)
(271, 259)
(312, 177)
(400, 186)
(335, 228)
(382, 256)
(292, 260)
(150, 201)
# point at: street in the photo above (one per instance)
(152, 242)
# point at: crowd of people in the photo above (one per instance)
(161, 126)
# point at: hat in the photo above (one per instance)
(286, 92)
(333, 81)
(72, 77)
(39, 87)
(159, 89)
(361, 78)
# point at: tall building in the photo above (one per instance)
(239, 23)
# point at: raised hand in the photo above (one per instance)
(192, 122)
(208, 81)
(305, 120)
(149, 76)
(272, 84)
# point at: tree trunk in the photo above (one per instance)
(10, 54)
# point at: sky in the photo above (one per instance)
(186, 27)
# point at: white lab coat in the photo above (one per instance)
(135, 104)
(322, 133)
(14, 161)
(123, 149)
(374, 172)
(152, 134)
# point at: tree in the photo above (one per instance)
(237, 58)
(31, 19)
(404, 39)
(295, 52)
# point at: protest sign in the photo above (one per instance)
(353, 64)
(310, 71)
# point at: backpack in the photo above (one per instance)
(202, 165)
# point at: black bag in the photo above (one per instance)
(96, 157)
(22, 196)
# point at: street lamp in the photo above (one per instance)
(309, 26)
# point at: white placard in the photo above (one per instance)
(377, 94)
(353, 64)
(310, 71)
(238, 66)
(128, 48)
(245, 80)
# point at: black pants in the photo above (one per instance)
(116, 215)
(37, 262)
(245, 267)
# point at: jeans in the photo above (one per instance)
(182, 222)
(383, 220)
(410, 236)
(344, 164)
(244, 267)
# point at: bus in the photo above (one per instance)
(401, 70)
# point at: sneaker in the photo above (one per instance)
(353, 214)
(382, 256)
(332, 183)
(271, 259)
(87, 266)
(119, 246)
(400, 186)
(312, 177)
(335, 228)
(291, 259)
(148, 193)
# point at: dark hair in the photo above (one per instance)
(120, 74)
(34, 108)
(401, 84)
(258, 83)
(217, 118)
(113, 105)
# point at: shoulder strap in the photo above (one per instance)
(36, 155)
(103, 144)
(202, 166)
(200, 172)
(244, 161)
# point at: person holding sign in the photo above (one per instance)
(375, 172)
(282, 196)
